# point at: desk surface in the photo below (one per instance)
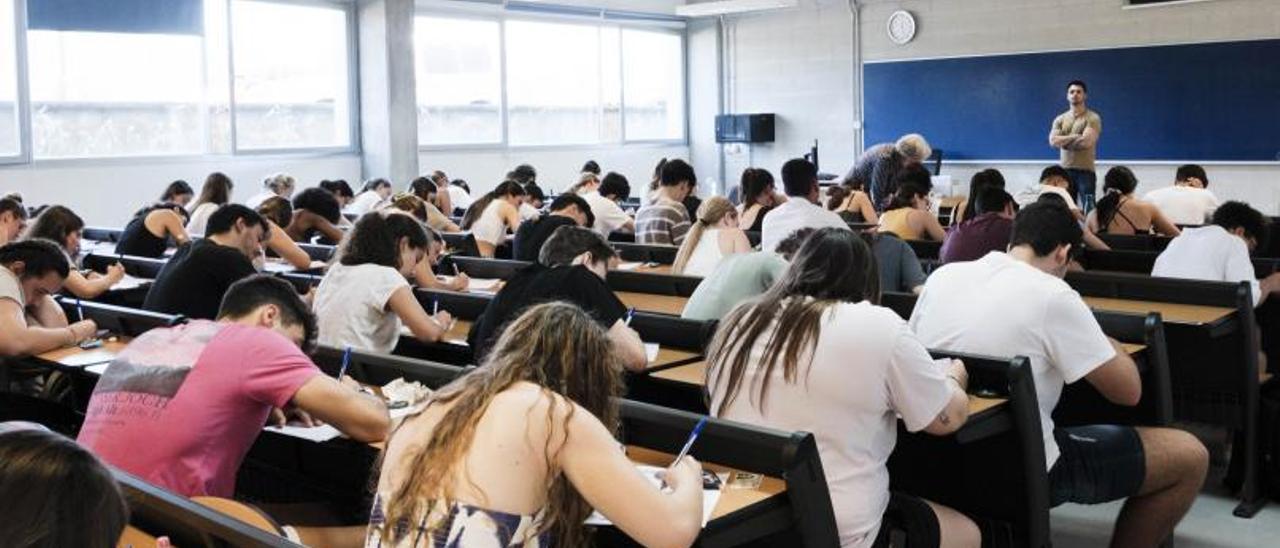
(666, 355)
(74, 356)
(665, 304)
(1170, 312)
(731, 500)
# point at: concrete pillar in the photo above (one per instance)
(388, 107)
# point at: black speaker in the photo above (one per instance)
(744, 128)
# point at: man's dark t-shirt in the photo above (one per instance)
(533, 233)
(538, 284)
(193, 282)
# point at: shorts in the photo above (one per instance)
(910, 516)
(1098, 463)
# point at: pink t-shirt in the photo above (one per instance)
(180, 407)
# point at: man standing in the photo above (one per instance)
(1075, 132)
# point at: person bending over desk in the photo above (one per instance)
(815, 338)
(714, 237)
(424, 275)
(278, 213)
(1220, 251)
(666, 220)
(148, 234)
(1016, 304)
(315, 211)
(215, 193)
(193, 282)
(13, 219)
(172, 391)
(31, 322)
(280, 184)
(566, 210)
(908, 213)
(1119, 212)
(62, 226)
(603, 200)
(492, 215)
(740, 278)
(986, 229)
(519, 451)
(424, 189)
(801, 210)
(572, 267)
(1188, 201)
(967, 208)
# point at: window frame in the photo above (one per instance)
(22, 100)
(683, 34)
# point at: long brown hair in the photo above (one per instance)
(507, 188)
(710, 212)
(833, 266)
(554, 345)
(216, 190)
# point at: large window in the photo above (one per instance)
(567, 82)
(10, 134)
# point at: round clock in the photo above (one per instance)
(902, 27)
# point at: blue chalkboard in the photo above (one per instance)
(1215, 101)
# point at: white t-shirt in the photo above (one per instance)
(1030, 194)
(256, 200)
(794, 214)
(11, 288)
(365, 202)
(199, 220)
(1001, 307)
(1208, 253)
(1184, 205)
(867, 369)
(490, 227)
(609, 216)
(528, 212)
(458, 198)
(351, 307)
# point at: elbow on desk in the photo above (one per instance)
(372, 427)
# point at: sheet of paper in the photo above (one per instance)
(628, 266)
(317, 434)
(651, 351)
(484, 284)
(97, 369)
(710, 497)
(89, 357)
(130, 282)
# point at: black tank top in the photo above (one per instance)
(138, 241)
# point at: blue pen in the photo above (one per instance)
(630, 313)
(79, 309)
(435, 306)
(693, 436)
(346, 360)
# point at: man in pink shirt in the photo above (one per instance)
(180, 407)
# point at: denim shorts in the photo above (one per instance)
(1098, 463)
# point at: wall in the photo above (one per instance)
(557, 167)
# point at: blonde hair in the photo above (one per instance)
(710, 213)
(278, 182)
(914, 147)
(585, 179)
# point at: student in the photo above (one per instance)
(1219, 252)
(30, 320)
(1016, 304)
(510, 454)
(422, 210)
(980, 180)
(459, 196)
(802, 341)
(365, 297)
(1091, 240)
(215, 193)
(713, 237)
(666, 220)
(276, 185)
(1188, 201)
(878, 167)
(149, 232)
(566, 210)
(740, 278)
(531, 206)
(851, 204)
(801, 210)
(179, 407)
(340, 190)
(278, 212)
(571, 267)
(492, 215)
(654, 182)
(62, 226)
(759, 197)
(425, 189)
(315, 213)
(193, 282)
(443, 201)
(900, 269)
(986, 229)
(908, 213)
(1053, 180)
(1118, 212)
(586, 183)
(523, 174)
(604, 199)
(424, 275)
(178, 192)
(55, 493)
(13, 219)
(591, 167)
(372, 197)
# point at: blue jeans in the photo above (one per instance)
(1084, 187)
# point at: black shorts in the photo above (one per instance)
(1098, 463)
(910, 516)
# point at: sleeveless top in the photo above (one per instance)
(1105, 226)
(851, 216)
(490, 227)
(895, 221)
(138, 241)
(706, 256)
(758, 224)
(460, 525)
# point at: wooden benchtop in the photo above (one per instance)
(731, 500)
(1170, 312)
(666, 304)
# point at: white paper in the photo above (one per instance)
(317, 434)
(97, 369)
(483, 284)
(628, 266)
(651, 351)
(710, 497)
(130, 282)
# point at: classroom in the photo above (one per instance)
(473, 273)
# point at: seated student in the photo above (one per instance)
(531, 206)
(713, 237)
(1118, 212)
(372, 197)
(603, 200)
(315, 213)
(899, 266)
(56, 493)
(420, 209)
(566, 210)
(803, 341)
(1053, 180)
(193, 282)
(13, 219)
(654, 183)
(443, 201)
(424, 275)
(907, 214)
(571, 267)
(340, 190)
(801, 210)
(986, 229)
(759, 196)
(365, 295)
(426, 190)
(459, 195)
(1188, 201)
(215, 193)
(492, 215)
(172, 392)
(178, 192)
(851, 204)
(983, 179)
(1219, 252)
(741, 277)
(591, 167)
(666, 220)
(1091, 241)
(30, 320)
(276, 185)
(510, 454)
(1016, 304)
(148, 234)
(278, 212)
(586, 182)
(62, 226)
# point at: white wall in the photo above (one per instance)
(557, 168)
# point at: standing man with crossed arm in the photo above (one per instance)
(1075, 132)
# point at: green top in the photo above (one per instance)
(739, 277)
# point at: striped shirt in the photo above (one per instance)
(664, 222)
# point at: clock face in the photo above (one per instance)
(902, 27)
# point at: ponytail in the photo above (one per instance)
(710, 213)
(1119, 181)
(837, 194)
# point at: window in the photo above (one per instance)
(554, 83)
(653, 80)
(10, 135)
(459, 80)
(292, 84)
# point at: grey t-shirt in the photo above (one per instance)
(738, 278)
(900, 269)
(10, 288)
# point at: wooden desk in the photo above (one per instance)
(133, 537)
(76, 358)
(1133, 348)
(1189, 314)
(731, 500)
(455, 335)
(664, 304)
(668, 356)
